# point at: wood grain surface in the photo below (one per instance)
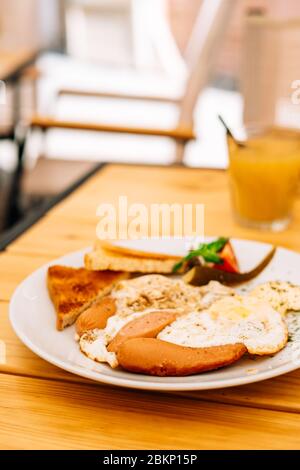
(47, 414)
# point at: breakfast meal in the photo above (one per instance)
(162, 315)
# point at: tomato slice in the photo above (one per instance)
(230, 263)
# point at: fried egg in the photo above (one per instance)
(214, 291)
(282, 296)
(93, 344)
(231, 320)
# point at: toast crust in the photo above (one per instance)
(122, 250)
(103, 259)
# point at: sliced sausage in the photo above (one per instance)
(96, 316)
(147, 326)
(156, 357)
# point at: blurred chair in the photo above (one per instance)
(270, 71)
(201, 54)
(127, 27)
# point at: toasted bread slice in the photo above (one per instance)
(123, 250)
(74, 290)
(102, 259)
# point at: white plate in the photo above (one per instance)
(33, 319)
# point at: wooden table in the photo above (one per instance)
(44, 407)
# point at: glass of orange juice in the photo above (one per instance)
(264, 173)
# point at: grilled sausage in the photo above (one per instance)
(147, 326)
(96, 316)
(156, 357)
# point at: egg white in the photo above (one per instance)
(283, 296)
